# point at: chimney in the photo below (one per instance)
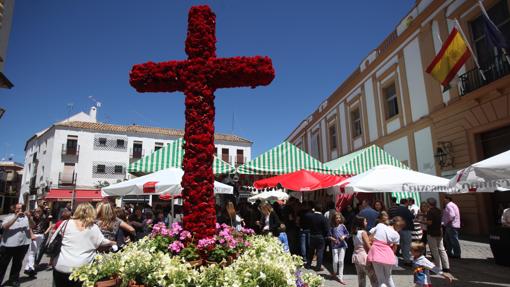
(93, 114)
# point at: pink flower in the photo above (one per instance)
(206, 242)
(176, 247)
(175, 229)
(184, 235)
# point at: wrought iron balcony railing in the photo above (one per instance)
(70, 150)
(473, 80)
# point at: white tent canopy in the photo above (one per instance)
(387, 178)
(269, 195)
(485, 176)
(167, 181)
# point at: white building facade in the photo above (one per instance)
(83, 154)
(6, 13)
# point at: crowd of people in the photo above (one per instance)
(85, 231)
(369, 236)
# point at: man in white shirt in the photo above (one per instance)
(413, 207)
(16, 239)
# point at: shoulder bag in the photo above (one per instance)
(54, 246)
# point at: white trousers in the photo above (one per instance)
(33, 250)
(338, 261)
(438, 251)
(383, 274)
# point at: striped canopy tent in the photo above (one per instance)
(283, 159)
(171, 155)
(366, 159)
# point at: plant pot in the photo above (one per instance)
(107, 283)
(230, 259)
(196, 263)
(135, 284)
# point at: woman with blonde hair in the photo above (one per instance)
(109, 224)
(231, 218)
(81, 237)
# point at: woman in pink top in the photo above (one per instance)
(382, 251)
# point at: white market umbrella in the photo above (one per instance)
(387, 178)
(269, 195)
(167, 181)
(485, 176)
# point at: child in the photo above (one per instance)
(422, 267)
(337, 235)
(283, 238)
(359, 256)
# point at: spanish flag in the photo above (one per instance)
(450, 58)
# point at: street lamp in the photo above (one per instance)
(444, 153)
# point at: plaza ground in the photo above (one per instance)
(476, 268)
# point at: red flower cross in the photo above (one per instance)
(198, 77)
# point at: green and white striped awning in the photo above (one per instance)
(282, 159)
(368, 158)
(171, 155)
(363, 160)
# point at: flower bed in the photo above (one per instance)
(168, 256)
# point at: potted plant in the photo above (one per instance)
(102, 272)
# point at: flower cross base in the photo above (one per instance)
(222, 248)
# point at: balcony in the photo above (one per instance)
(70, 150)
(67, 179)
(472, 80)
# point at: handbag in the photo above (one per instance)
(53, 248)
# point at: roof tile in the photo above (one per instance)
(143, 130)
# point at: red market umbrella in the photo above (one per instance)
(301, 180)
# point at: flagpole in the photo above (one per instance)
(469, 47)
(487, 15)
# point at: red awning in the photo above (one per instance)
(80, 195)
(301, 180)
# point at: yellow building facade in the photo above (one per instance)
(390, 101)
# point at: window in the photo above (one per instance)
(158, 146)
(102, 141)
(315, 145)
(390, 96)
(356, 123)
(101, 168)
(500, 16)
(240, 156)
(120, 143)
(67, 176)
(71, 145)
(137, 150)
(332, 137)
(118, 169)
(224, 154)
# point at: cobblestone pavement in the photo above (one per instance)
(476, 268)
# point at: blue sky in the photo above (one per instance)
(62, 52)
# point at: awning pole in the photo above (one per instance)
(172, 209)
